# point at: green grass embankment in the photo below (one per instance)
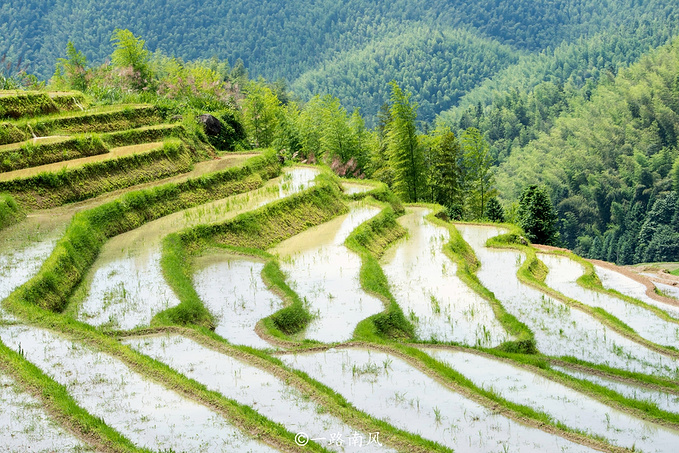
(35, 153)
(370, 240)
(108, 119)
(10, 212)
(20, 104)
(9, 133)
(77, 249)
(250, 233)
(47, 190)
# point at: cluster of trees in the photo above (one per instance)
(435, 166)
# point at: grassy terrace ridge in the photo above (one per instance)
(20, 104)
(77, 249)
(36, 152)
(99, 119)
(370, 240)
(71, 164)
(46, 190)
(533, 272)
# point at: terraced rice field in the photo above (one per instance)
(229, 303)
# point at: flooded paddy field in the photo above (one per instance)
(145, 412)
(611, 279)
(392, 390)
(562, 276)
(324, 272)
(25, 426)
(570, 407)
(664, 400)
(423, 280)
(125, 287)
(231, 287)
(559, 330)
(250, 385)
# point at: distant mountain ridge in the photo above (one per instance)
(313, 45)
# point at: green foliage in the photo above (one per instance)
(536, 216)
(436, 63)
(130, 52)
(9, 211)
(9, 133)
(478, 177)
(404, 150)
(267, 226)
(70, 72)
(232, 134)
(144, 135)
(607, 159)
(261, 112)
(96, 120)
(494, 211)
(445, 172)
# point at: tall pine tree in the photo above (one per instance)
(406, 156)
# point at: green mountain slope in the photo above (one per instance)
(612, 164)
(438, 66)
(295, 39)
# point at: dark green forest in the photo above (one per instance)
(439, 50)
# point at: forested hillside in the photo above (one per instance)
(611, 164)
(356, 45)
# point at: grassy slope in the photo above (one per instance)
(9, 211)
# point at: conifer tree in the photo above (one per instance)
(405, 152)
(537, 217)
(70, 71)
(479, 179)
(445, 175)
(494, 211)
